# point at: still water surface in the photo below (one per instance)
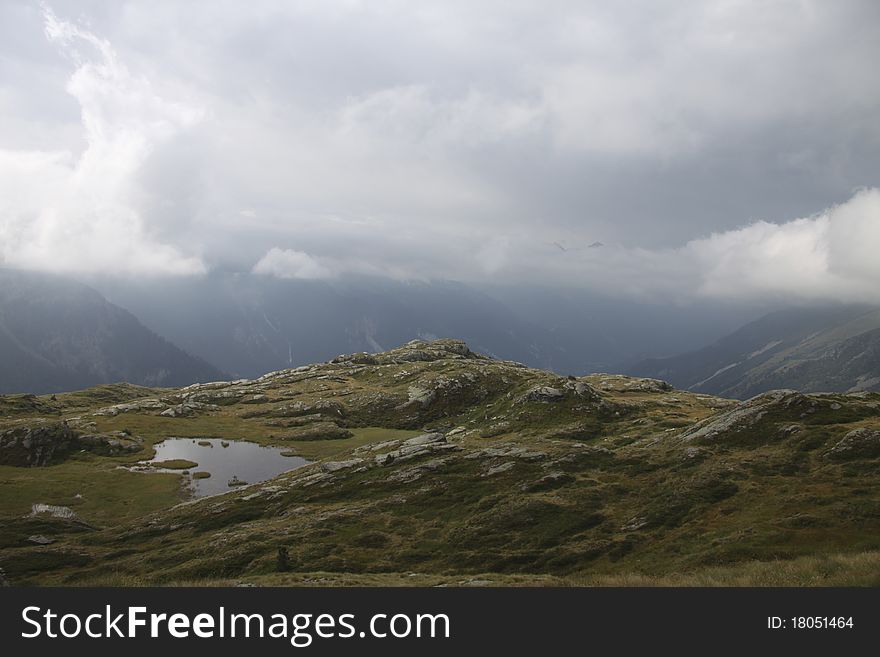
(246, 461)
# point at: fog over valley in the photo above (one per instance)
(579, 189)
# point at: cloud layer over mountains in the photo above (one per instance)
(715, 149)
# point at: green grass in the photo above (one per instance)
(109, 495)
(610, 494)
(838, 570)
(859, 569)
(174, 464)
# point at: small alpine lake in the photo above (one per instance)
(229, 463)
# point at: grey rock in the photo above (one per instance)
(148, 404)
(39, 539)
(498, 469)
(36, 446)
(858, 443)
(647, 385)
(55, 511)
(544, 394)
(425, 439)
(334, 466)
(747, 414)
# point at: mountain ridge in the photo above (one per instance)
(456, 467)
(831, 349)
(58, 335)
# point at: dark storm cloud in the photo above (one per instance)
(488, 140)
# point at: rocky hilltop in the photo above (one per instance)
(432, 464)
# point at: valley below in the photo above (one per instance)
(432, 465)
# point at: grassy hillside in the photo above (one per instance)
(438, 466)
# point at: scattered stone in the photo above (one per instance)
(647, 385)
(149, 404)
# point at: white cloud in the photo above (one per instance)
(63, 212)
(832, 256)
(452, 140)
(288, 263)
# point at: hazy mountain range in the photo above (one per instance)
(248, 325)
(57, 334)
(834, 349)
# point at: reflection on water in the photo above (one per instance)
(238, 460)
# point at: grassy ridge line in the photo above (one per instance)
(541, 479)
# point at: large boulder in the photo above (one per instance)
(858, 443)
(544, 394)
(36, 446)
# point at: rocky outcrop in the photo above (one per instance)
(414, 447)
(647, 385)
(148, 404)
(109, 444)
(544, 394)
(858, 443)
(746, 415)
(49, 443)
(36, 446)
(63, 512)
(188, 409)
(414, 351)
(316, 431)
(562, 389)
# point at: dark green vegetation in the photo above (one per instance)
(174, 464)
(458, 469)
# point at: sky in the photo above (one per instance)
(661, 150)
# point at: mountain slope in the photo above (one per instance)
(59, 335)
(249, 325)
(453, 467)
(829, 349)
